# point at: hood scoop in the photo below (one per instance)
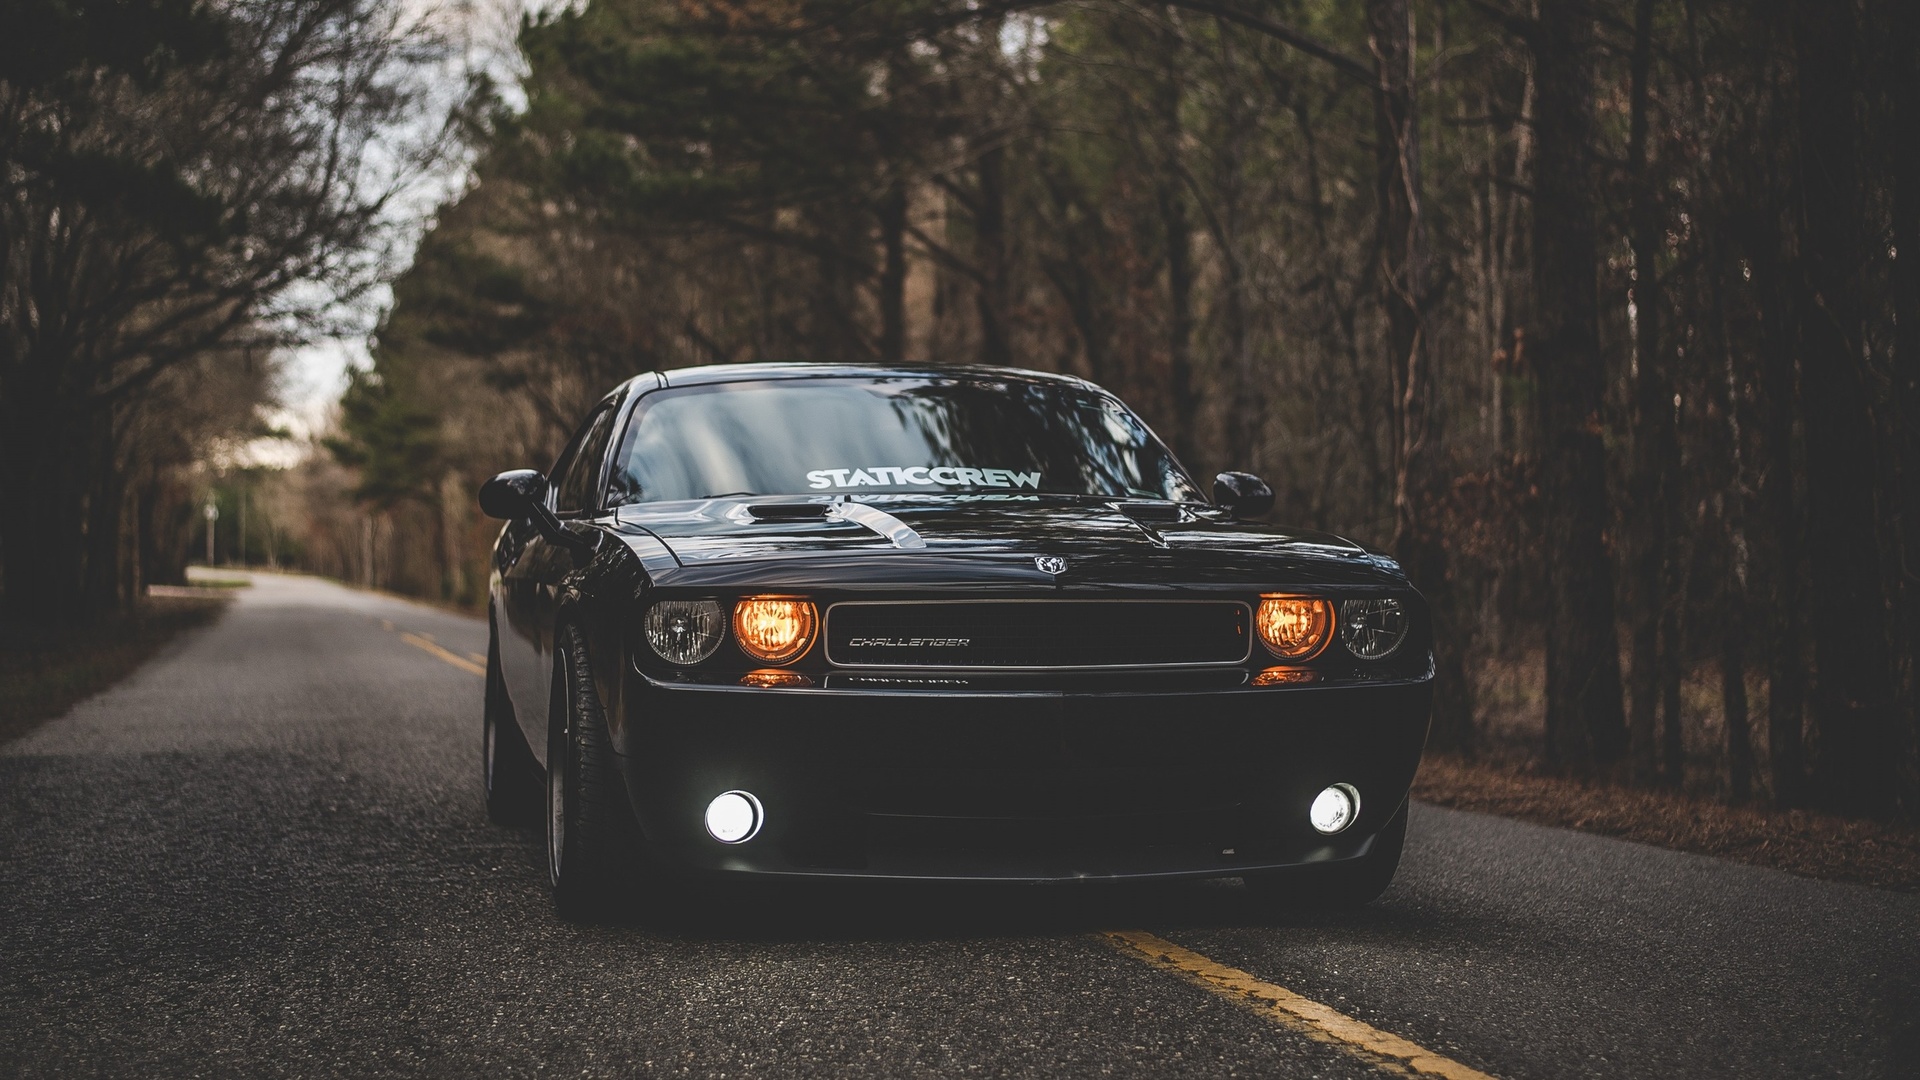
(780, 512)
(885, 525)
(1152, 511)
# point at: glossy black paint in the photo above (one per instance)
(513, 494)
(523, 493)
(1242, 494)
(941, 774)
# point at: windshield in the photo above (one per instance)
(889, 436)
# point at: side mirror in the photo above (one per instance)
(513, 495)
(1243, 495)
(522, 494)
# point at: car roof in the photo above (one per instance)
(724, 373)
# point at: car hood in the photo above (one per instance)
(980, 538)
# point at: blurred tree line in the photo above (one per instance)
(186, 187)
(1600, 317)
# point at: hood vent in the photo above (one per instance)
(788, 511)
(1151, 511)
(876, 521)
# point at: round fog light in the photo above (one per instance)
(1333, 809)
(734, 817)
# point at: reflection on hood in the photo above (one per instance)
(1090, 533)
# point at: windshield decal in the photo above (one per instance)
(935, 476)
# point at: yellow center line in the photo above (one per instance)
(1289, 1009)
(421, 642)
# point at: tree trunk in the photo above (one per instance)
(104, 537)
(1855, 749)
(990, 255)
(452, 511)
(893, 275)
(107, 553)
(838, 328)
(42, 509)
(1786, 568)
(1670, 661)
(158, 535)
(1179, 230)
(1903, 75)
(1246, 411)
(1178, 227)
(1226, 215)
(1654, 442)
(1730, 533)
(1733, 688)
(1401, 278)
(1585, 725)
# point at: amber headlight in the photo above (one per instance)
(773, 629)
(1294, 627)
(685, 632)
(1372, 629)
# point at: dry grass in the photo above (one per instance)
(43, 672)
(1506, 779)
(1814, 845)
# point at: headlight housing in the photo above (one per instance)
(774, 629)
(685, 632)
(1294, 627)
(1372, 629)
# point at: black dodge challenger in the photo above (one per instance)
(935, 623)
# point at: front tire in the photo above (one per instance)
(507, 769)
(1341, 886)
(592, 839)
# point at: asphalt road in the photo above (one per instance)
(265, 854)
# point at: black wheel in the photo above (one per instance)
(592, 839)
(1340, 886)
(507, 768)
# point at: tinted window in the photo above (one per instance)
(573, 491)
(873, 436)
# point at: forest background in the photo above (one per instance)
(1593, 313)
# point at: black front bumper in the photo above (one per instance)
(1033, 786)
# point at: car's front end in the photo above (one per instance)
(1063, 701)
(942, 624)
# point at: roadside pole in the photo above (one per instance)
(213, 515)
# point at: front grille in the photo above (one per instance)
(1037, 633)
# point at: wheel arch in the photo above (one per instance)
(603, 599)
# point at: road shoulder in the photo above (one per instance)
(45, 672)
(1812, 845)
